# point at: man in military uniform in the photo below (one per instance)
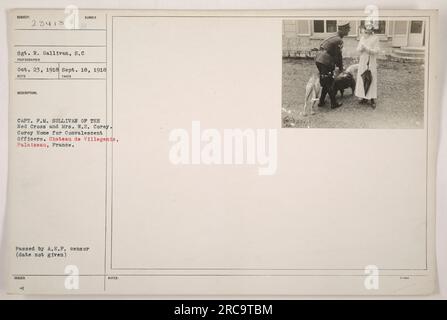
(330, 56)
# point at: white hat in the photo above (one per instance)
(370, 25)
(343, 24)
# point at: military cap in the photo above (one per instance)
(344, 25)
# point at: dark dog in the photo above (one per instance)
(346, 79)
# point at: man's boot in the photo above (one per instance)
(336, 105)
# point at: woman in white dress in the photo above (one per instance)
(368, 48)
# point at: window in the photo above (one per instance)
(319, 26)
(293, 28)
(325, 26)
(303, 27)
(382, 27)
(416, 27)
(331, 26)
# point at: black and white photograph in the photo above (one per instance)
(279, 152)
(353, 73)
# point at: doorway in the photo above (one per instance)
(416, 35)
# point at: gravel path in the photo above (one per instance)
(400, 102)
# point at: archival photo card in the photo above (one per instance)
(243, 153)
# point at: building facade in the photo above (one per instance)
(398, 39)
